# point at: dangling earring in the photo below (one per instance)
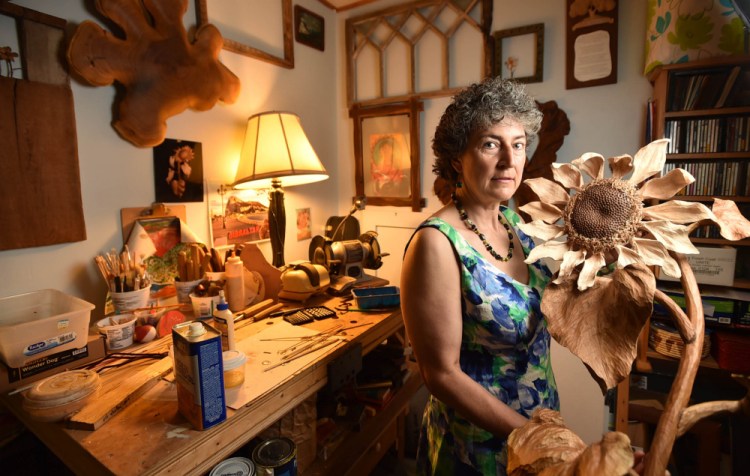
(459, 184)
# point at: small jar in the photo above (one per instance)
(234, 368)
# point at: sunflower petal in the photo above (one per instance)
(678, 211)
(568, 175)
(734, 226)
(570, 261)
(548, 191)
(550, 249)
(627, 256)
(591, 267)
(665, 187)
(601, 326)
(620, 165)
(542, 211)
(673, 236)
(591, 163)
(649, 161)
(540, 229)
(653, 253)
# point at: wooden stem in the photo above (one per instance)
(679, 394)
(680, 319)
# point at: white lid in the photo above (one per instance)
(233, 359)
(234, 466)
(196, 329)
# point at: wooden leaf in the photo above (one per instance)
(544, 446)
(734, 226)
(601, 325)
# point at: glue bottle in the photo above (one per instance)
(234, 271)
(223, 313)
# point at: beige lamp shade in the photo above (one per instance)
(276, 148)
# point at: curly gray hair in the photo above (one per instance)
(476, 108)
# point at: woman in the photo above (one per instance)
(470, 303)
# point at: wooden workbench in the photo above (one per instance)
(149, 436)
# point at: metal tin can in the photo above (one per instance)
(199, 374)
(276, 457)
(237, 466)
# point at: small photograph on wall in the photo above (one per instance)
(238, 216)
(304, 228)
(178, 171)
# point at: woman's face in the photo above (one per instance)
(492, 165)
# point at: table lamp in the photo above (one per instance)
(276, 153)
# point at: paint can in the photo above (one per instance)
(199, 374)
(276, 457)
(237, 466)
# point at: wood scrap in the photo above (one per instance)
(111, 400)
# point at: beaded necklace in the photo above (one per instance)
(471, 226)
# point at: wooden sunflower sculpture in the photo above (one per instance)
(608, 242)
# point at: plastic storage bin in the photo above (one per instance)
(376, 298)
(39, 323)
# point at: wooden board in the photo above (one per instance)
(41, 192)
(116, 397)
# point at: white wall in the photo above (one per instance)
(606, 119)
(115, 174)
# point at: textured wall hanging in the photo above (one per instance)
(163, 73)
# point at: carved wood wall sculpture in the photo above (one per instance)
(394, 36)
(163, 73)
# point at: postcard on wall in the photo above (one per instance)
(178, 171)
(304, 228)
(238, 216)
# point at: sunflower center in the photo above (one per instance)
(605, 213)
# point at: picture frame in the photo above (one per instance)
(386, 151)
(590, 43)
(228, 29)
(309, 28)
(519, 53)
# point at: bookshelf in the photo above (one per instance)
(704, 108)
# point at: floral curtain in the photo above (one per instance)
(679, 31)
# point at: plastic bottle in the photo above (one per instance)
(222, 312)
(234, 272)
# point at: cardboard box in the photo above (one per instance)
(711, 266)
(13, 378)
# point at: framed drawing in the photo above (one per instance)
(238, 216)
(519, 53)
(235, 20)
(590, 43)
(386, 150)
(309, 28)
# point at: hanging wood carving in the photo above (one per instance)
(163, 73)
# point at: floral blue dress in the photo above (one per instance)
(505, 347)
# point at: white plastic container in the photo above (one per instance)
(118, 330)
(235, 286)
(39, 323)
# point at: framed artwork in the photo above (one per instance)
(519, 53)
(309, 28)
(235, 20)
(590, 43)
(238, 216)
(386, 150)
(178, 171)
